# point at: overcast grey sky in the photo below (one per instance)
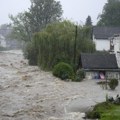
(75, 10)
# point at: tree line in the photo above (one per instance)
(51, 39)
(55, 44)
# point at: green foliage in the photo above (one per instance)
(93, 115)
(105, 111)
(21, 27)
(44, 12)
(31, 53)
(113, 83)
(40, 14)
(112, 114)
(56, 44)
(99, 109)
(88, 21)
(80, 75)
(111, 14)
(63, 71)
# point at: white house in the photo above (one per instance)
(108, 39)
(99, 65)
(102, 37)
(2, 41)
(115, 47)
(115, 43)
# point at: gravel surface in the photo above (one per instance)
(28, 93)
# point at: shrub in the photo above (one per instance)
(79, 75)
(93, 114)
(63, 71)
(98, 110)
(31, 54)
(113, 83)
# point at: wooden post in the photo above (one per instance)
(106, 81)
(75, 43)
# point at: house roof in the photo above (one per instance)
(98, 61)
(105, 32)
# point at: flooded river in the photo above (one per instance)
(28, 93)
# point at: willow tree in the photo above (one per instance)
(56, 44)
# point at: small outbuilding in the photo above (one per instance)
(99, 65)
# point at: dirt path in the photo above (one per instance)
(27, 93)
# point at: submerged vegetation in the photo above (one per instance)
(80, 75)
(113, 83)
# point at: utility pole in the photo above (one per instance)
(75, 43)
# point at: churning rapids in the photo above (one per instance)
(28, 93)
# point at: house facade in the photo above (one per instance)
(115, 43)
(2, 41)
(99, 66)
(102, 38)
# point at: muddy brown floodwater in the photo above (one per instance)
(28, 93)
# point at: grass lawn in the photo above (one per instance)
(112, 114)
(105, 111)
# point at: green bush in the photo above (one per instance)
(113, 83)
(63, 71)
(31, 54)
(98, 110)
(104, 111)
(80, 75)
(93, 114)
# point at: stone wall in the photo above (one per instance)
(90, 75)
(112, 75)
(109, 75)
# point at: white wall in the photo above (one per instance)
(116, 42)
(118, 59)
(113, 75)
(102, 44)
(2, 41)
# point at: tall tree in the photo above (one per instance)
(43, 12)
(111, 14)
(21, 27)
(88, 21)
(40, 14)
(56, 43)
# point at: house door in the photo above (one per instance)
(102, 75)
